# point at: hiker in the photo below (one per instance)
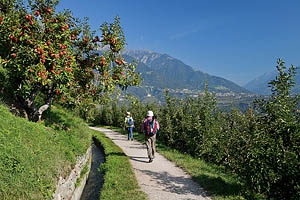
(129, 124)
(150, 126)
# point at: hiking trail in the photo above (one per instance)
(160, 179)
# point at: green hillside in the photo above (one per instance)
(32, 155)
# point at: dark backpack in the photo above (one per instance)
(151, 127)
(130, 121)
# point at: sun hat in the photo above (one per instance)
(149, 113)
(128, 113)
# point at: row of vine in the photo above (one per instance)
(262, 146)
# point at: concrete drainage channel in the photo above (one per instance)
(95, 180)
(84, 181)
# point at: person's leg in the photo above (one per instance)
(153, 146)
(149, 149)
(128, 133)
(131, 133)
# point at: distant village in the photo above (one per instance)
(196, 93)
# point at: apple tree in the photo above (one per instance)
(48, 56)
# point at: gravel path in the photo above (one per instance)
(161, 179)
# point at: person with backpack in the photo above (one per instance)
(129, 124)
(150, 126)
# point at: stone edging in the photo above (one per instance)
(65, 188)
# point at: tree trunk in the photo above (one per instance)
(35, 114)
(29, 107)
(41, 110)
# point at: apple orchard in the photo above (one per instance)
(48, 56)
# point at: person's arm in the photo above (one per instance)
(143, 126)
(157, 124)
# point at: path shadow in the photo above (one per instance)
(218, 186)
(137, 147)
(119, 139)
(176, 184)
(137, 158)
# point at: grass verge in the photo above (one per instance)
(119, 179)
(33, 155)
(220, 184)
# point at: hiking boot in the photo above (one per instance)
(150, 160)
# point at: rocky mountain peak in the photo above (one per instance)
(143, 56)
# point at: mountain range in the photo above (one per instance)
(260, 84)
(161, 72)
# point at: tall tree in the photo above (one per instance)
(47, 55)
(275, 153)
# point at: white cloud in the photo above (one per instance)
(178, 36)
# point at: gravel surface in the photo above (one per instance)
(160, 179)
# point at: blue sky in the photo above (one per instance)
(234, 39)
